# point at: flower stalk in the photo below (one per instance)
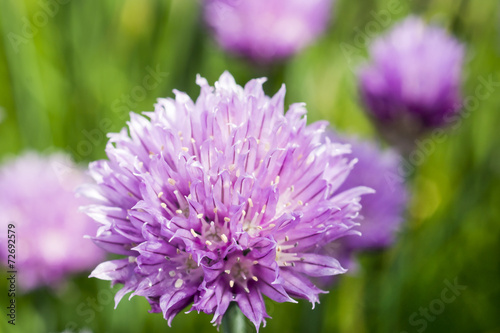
(233, 321)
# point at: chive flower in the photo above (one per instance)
(267, 30)
(223, 199)
(37, 197)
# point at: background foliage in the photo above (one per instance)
(64, 84)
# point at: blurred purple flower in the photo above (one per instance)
(382, 212)
(266, 30)
(36, 195)
(414, 78)
(219, 200)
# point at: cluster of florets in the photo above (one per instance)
(222, 199)
(413, 79)
(37, 197)
(267, 30)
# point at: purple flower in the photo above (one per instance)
(414, 78)
(382, 212)
(36, 195)
(219, 200)
(265, 30)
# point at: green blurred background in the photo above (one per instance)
(74, 76)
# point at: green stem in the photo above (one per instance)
(234, 320)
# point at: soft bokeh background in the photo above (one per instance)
(65, 84)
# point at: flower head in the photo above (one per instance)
(36, 196)
(265, 30)
(382, 212)
(414, 76)
(221, 199)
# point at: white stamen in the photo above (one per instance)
(224, 238)
(179, 283)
